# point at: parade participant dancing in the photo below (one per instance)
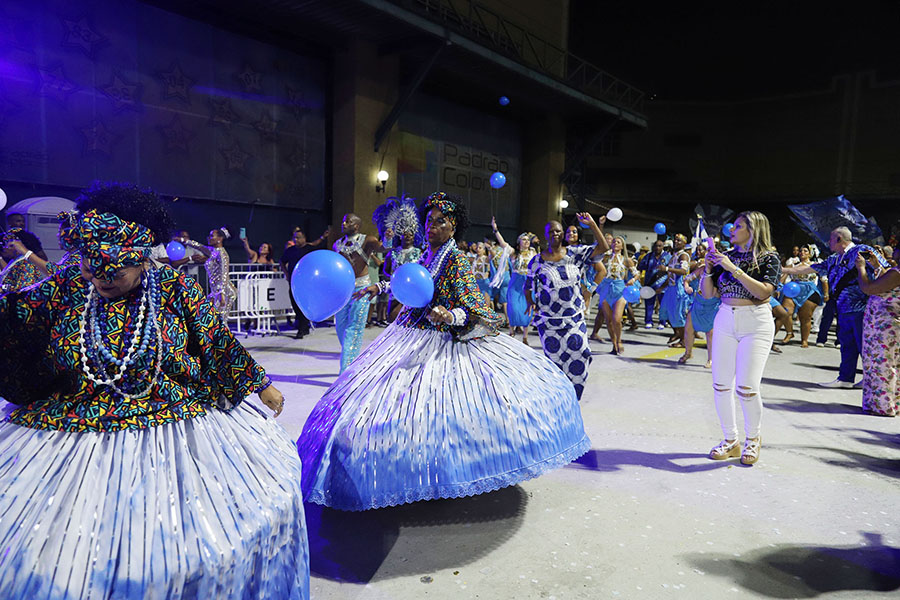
(222, 293)
(745, 277)
(399, 216)
(134, 463)
(516, 260)
(805, 302)
(652, 265)
(675, 302)
(702, 314)
(16, 270)
(840, 268)
(481, 268)
(439, 405)
(350, 321)
(620, 272)
(553, 293)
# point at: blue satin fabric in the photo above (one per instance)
(614, 289)
(208, 507)
(675, 304)
(419, 416)
(703, 312)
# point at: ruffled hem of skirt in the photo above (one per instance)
(461, 490)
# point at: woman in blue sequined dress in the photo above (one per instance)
(440, 405)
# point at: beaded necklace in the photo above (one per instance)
(434, 262)
(93, 350)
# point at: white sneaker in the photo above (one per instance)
(820, 345)
(648, 326)
(661, 327)
(837, 383)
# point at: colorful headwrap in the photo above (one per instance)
(106, 242)
(443, 203)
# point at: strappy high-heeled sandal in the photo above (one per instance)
(750, 454)
(726, 449)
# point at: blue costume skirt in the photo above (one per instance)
(484, 285)
(515, 302)
(674, 305)
(773, 301)
(498, 294)
(614, 289)
(807, 290)
(601, 290)
(419, 416)
(208, 507)
(703, 312)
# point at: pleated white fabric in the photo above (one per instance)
(418, 416)
(202, 508)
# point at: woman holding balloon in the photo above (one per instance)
(553, 293)
(439, 405)
(621, 273)
(801, 296)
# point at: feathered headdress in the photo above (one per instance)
(400, 216)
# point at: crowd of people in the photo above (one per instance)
(116, 351)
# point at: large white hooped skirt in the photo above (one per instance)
(203, 508)
(419, 416)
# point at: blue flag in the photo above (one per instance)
(819, 219)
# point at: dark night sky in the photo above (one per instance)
(700, 50)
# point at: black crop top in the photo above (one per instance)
(766, 270)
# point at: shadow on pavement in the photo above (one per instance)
(858, 460)
(806, 406)
(434, 534)
(613, 460)
(793, 571)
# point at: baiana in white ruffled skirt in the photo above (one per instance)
(419, 416)
(206, 508)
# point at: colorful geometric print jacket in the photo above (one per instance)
(202, 362)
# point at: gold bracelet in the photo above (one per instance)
(737, 272)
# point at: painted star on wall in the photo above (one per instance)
(266, 126)
(297, 159)
(296, 102)
(98, 139)
(222, 113)
(125, 94)
(175, 84)
(235, 158)
(80, 34)
(176, 137)
(52, 83)
(250, 79)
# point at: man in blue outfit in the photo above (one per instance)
(652, 264)
(840, 268)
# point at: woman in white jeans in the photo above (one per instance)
(745, 277)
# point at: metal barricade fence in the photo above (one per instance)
(263, 297)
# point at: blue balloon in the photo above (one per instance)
(725, 244)
(727, 229)
(175, 251)
(498, 180)
(412, 285)
(631, 293)
(791, 289)
(504, 101)
(660, 228)
(322, 283)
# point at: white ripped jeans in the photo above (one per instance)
(740, 349)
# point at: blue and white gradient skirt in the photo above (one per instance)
(208, 507)
(418, 416)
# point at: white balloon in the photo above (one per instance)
(647, 292)
(2, 199)
(614, 214)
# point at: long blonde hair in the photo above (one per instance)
(760, 233)
(624, 246)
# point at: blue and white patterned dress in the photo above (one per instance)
(559, 315)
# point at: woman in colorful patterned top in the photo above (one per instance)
(516, 261)
(16, 270)
(439, 405)
(745, 278)
(620, 271)
(553, 287)
(881, 339)
(138, 469)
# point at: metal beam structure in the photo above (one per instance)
(405, 96)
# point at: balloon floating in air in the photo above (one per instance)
(498, 180)
(412, 285)
(504, 101)
(614, 214)
(660, 229)
(322, 283)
